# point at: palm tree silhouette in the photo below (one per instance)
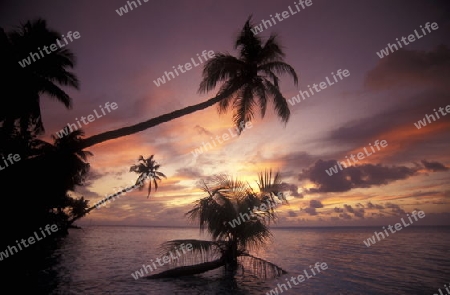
(147, 168)
(42, 77)
(229, 199)
(252, 74)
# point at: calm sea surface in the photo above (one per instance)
(416, 260)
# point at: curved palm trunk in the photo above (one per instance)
(70, 222)
(189, 270)
(124, 131)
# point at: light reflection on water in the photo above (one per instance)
(100, 260)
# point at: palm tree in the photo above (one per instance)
(251, 75)
(147, 168)
(229, 200)
(24, 86)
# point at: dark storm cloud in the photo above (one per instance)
(363, 176)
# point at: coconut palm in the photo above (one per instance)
(227, 200)
(24, 86)
(246, 82)
(147, 168)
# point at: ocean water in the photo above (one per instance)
(101, 259)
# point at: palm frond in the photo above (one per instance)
(271, 51)
(281, 105)
(200, 251)
(260, 267)
(220, 68)
(280, 68)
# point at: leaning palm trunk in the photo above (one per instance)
(70, 222)
(124, 131)
(189, 270)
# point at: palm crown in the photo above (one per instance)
(42, 76)
(251, 78)
(147, 168)
(229, 200)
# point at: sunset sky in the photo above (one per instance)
(119, 57)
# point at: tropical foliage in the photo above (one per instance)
(228, 199)
(147, 168)
(23, 87)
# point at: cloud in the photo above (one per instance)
(189, 173)
(349, 208)
(338, 210)
(292, 213)
(362, 176)
(94, 174)
(411, 67)
(423, 76)
(310, 211)
(359, 213)
(202, 130)
(395, 209)
(345, 216)
(315, 204)
(374, 206)
(292, 188)
(434, 166)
